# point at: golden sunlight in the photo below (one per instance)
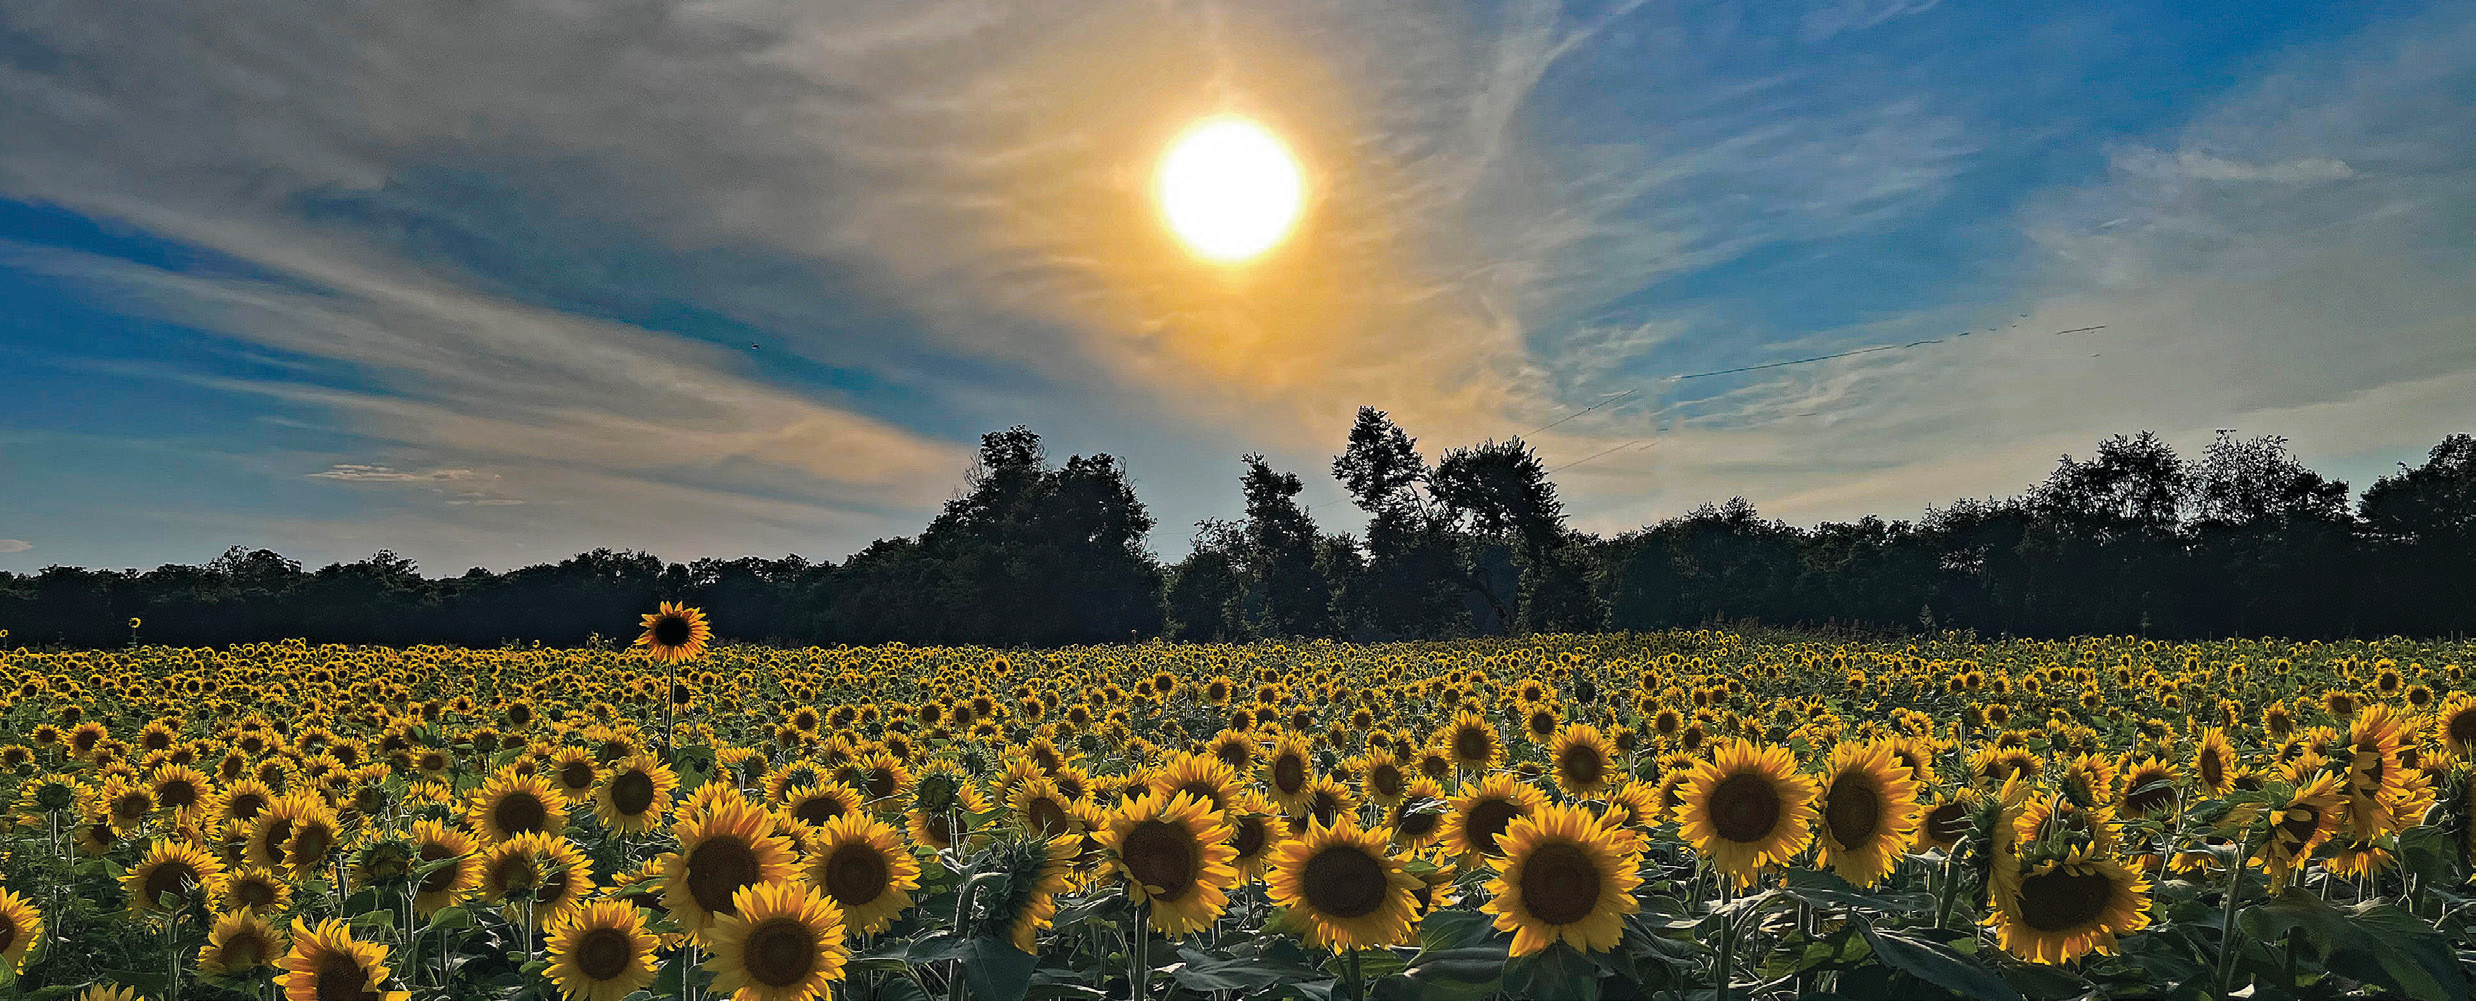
(1230, 189)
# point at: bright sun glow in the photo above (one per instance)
(1230, 189)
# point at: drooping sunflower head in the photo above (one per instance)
(1566, 877)
(2148, 789)
(2213, 761)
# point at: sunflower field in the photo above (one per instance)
(1679, 815)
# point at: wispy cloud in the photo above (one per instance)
(15, 545)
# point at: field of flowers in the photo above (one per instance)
(1684, 815)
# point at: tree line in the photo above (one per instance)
(2242, 539)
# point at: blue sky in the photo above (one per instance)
(489, 284)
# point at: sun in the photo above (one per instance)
(1230, 189)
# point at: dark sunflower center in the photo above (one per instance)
(1415, 825)
(576, 774)
(718, 868)
(245, 951)
(671, 630)
(1946, 823)
(603, 953)
(1472, 744)
(8, 932)
(1048, 816)
(520, 813)
(631, 793)
(1344, 881)
(441, 879)
(1581, 765)
(881, 782)
(1852, 811)
(133, 805)
(2144, 803)
(2300, 824)
(2462, 727)
(779, 952)
(1248, 837)
(255, 893)
(278, 833)
(341, 978)
(1289, 773)
(856, 874)
(1202, 790)
(2063, 901)
(179, 794)
(1385, 779)
(1487, 820)
(169, 877)
(1162, 854)
(1236, 755)
(1744, 808)
(2213, 769)
(1559, 884)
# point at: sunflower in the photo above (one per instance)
(21, 926)
(1343, 890)
(513, 803)
(2213, 762)
(1176, 856)
(458, 871)
(859, 861)
(170, 868)
(574, 773)
(1472, 740)
(1582, 761)
(248, 889)
(1287, 772)
(182, 791)
(1748, 808)
(1202, 776)
(327, 964)
(2306, 821)
(2148, 788)
(1566, 876)
(242, 946)
(544, 872)
(675, 633)
(1037, 870)
(2070, 907)
(108, 992)
(126, 804)
(1045, 811)
(781, 942)
(296, 833)
(602, 952)
(1484, 810)
(634, 794)
(2455, 725)
(817, 804)
(1868, 812)
(728, 845)
(1254, 834)
(241, 800)
(2089, 779)
(1382, 777)
(1418, 819)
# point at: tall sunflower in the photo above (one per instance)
(1343, 889)
(327, 964)
(1747, 808)
(675, 632)
(782, 942)
(1484, 810)
(728, 845)
(602, 952)
(1868, 812)
(451, 882)
(1566, 876)
(241, 947)
(860, 862)
(2063, 909)
(1176, 856)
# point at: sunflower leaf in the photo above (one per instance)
(996, 970)
(1938, 965)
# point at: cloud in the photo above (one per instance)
(355, 472)
(2199, 166)
(15, 545)
(1841, 16)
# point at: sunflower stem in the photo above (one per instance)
(1357, 983)
(1725, 973)
(1137, 972)
(2226, 918)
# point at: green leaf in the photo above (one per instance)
(1558, 972)
(995, 970)
(1938, 965)
(1199, 971)
(450, 919)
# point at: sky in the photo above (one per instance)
(492, 283)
